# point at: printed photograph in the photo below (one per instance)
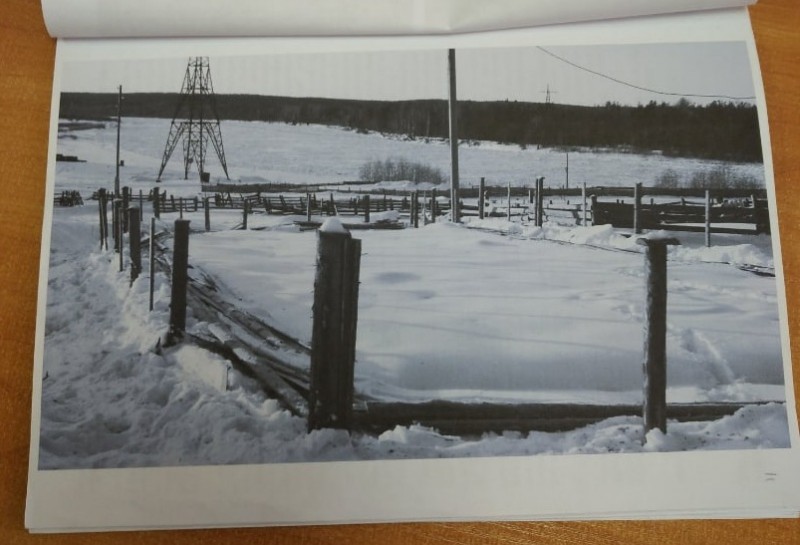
(416, 254)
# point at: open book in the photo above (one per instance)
(383, 261)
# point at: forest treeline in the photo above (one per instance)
(721, 130)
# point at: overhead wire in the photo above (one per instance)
(639, 87)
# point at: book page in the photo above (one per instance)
(496, 357)
(188, 18)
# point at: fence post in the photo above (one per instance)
(101, 210)
(416, 208)
(333, 338)
(207, 213)
(539, 201)
(180, 265)
(308, 207)
(508, 203)
(126, 198)
(152, 253)
(115, 204)
(637, 208)
(583, 206)
(180, 207)
(135, 241)
(708, 218)
(156, 203)
(245, 211)
(141, 206)
(434, 210)
(593, 200)
(366, 208)
(654, 409)
(481, 199)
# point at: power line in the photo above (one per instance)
(639, 87)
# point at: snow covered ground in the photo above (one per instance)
(484, 311)
(278, 152)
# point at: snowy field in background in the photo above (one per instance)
(513, 314)
(278, 152)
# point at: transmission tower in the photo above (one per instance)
(196, 121)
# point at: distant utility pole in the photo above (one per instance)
(196, 121)
(547, 96)
(119, 123)
(455, 212)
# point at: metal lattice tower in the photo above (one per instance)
(196, 121)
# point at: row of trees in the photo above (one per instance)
(721, 130)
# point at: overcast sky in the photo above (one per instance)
(521, 74)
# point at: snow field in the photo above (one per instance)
(277, 152)
(450, 312)
(540, 314)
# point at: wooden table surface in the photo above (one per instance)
(26, 70)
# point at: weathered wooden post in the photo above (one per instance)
(508, 203)
(126, 199)
(115, 204)
(583, 205)
(180, 207)
(245, 212)
(655, 333)
(141, 205)
(415, 208)
(333, 337)
(207, 213)
(120, 235)
(708, 218)
(101, 210)
(482, 199)
(434, 208)
(135, 241)
(308, 207)
(593, 200)
(180, 266)
(366, 208)
(156, 203)
(539, 201)
(152, 254)
(637, 208)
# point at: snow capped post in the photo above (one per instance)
(333, 337)
(455, 213)
(135, 240)
(655, 333)
(180, 266)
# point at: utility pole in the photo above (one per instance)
(455, 212)
(119, 123)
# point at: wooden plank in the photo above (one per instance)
(474, 419)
